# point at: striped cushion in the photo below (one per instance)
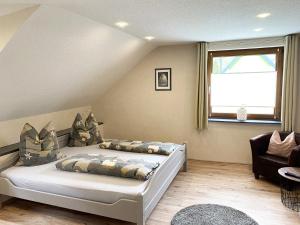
(38, 148)
(85, 133)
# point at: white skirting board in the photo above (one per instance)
(136, 211)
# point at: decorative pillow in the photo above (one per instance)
(281, 148)
(84, 134)
(92, 126)
(38, 148)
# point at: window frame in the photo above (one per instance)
(242, 52)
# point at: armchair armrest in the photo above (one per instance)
(260, 144)
(294, 158)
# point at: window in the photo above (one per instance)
(250, 78)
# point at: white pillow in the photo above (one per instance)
(281, 148)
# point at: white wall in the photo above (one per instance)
(10, 130)
(59, 60)
(247, 43)
(133, 109)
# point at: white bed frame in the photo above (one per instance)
(136, 211)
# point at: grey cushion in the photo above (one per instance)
(85, 133)
(38, 148)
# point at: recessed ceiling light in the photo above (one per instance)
(121, 24)
(263, 15)
(149, 38)
(258, 29)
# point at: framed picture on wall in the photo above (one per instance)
(163, 79)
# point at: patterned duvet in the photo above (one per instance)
(159, 148)
(112, 166)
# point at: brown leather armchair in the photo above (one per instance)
(268, 165)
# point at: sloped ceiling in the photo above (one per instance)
(58, 60)
(6, 9)
(10, 21)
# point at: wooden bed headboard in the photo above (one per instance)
(62, 135)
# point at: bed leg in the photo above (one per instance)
(184, 168)
(185, 164)
(141, 220)
(4, 199)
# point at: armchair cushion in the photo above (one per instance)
(273, 160)
(281, 148)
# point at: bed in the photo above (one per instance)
(120, 198)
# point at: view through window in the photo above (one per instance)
(245, 78)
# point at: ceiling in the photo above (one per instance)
(10, 23)
(6, 9)
(175, 21)
(58, 60)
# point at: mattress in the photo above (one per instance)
(100, 188)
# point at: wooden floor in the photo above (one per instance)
(205, 182)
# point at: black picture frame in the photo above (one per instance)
(163, 79)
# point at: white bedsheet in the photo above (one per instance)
(93, 187)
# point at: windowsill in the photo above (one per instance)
(271, 122)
